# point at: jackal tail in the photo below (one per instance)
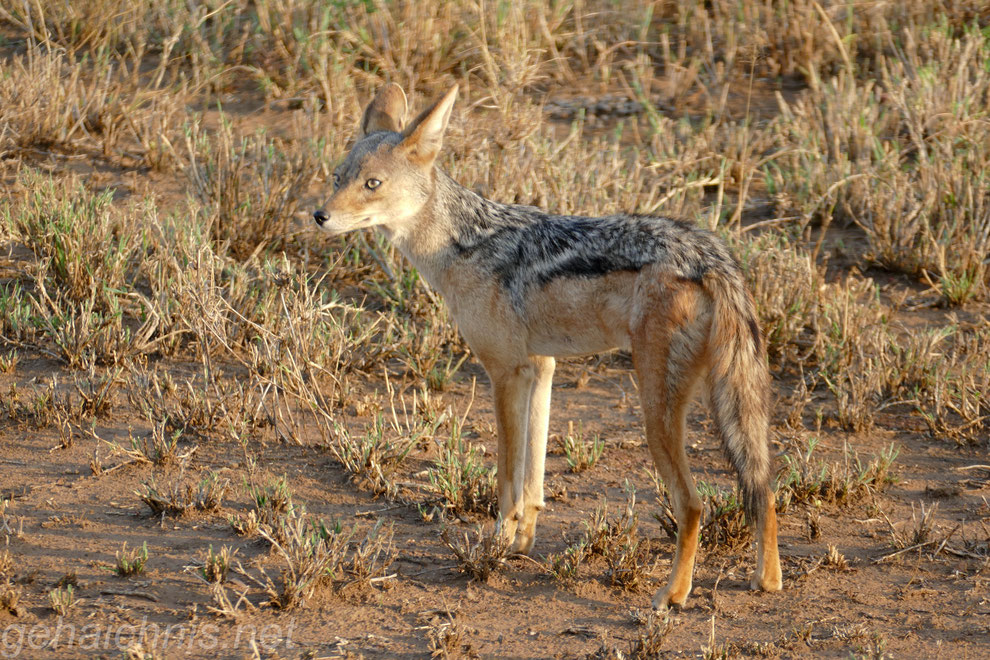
(739, 389)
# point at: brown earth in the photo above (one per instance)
(920, 603)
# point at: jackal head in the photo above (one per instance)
(387, 177)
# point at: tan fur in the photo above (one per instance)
(681, 333)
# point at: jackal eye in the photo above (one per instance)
(336, 180)
(371, 184)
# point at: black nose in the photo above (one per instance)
(320, 216)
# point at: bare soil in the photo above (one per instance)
(916, 604)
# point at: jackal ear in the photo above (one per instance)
(422, 138)
(387, 112)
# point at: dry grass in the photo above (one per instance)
(581, 453)
(804, 479)
(374, 457)
(723, 523)
(63, 599)
(131, 562)
(479, 558)
(181, 497)
(459, 477)
(315, 556)
(628, 557)
(649, 642)
(217, 565)
(247, 189)
(887, 136)
(10, 597)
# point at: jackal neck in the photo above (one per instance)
(453, 222)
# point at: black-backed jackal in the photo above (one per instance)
(526, 286)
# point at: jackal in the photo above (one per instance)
(526, 286)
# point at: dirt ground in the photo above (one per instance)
(66, 521)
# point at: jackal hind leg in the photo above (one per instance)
(768, 574)
(535, 452)
(747, 451)
(668, 344)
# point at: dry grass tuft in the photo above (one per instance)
(581, 453)
(480, 558)
(63, 599)
(217, 565)
(131, 562)
(10, 597)
(723, 523)
(649, 642)
(628, 557)
(459, 476)
(316, 556)
(247, 188)
(373, 458)
(180, 498)
(807, 480)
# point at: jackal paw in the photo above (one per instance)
(523, 543)
(665, 599)
(772, 582)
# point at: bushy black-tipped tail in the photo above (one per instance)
(739, 388)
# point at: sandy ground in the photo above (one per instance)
(66, 521)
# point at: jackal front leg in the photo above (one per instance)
(536, 452)
(513, 386)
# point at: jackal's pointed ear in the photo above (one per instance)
(422, 138)
(387, 112)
